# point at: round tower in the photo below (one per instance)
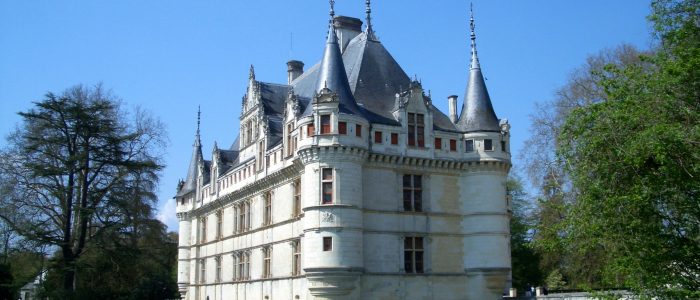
(332, 153)
(483, 188)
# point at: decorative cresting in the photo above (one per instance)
(477, 111)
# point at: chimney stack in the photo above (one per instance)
(452, 102)
(294, 69)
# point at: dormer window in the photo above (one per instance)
(416, 130)
(325, 124)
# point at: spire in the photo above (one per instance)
(251, 73)
(332, 74)
(368, 19)
(477, 112)
(475, 60)
(190, 183)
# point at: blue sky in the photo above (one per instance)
(171, 56)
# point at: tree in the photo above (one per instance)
(525, 261)
(547, 173)
(73, 163)
(634, 161)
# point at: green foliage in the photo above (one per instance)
(525, 260)
(555, 280)
(78, 170)
(635, 162)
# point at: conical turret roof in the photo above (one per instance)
(332, 75)
(477, 111)
(197, 158)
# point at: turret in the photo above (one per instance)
(485, 146)
(333, 260)
(186, 197)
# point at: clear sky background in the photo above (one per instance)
(171, 56)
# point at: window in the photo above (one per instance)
(236, 261)
(240, 226)
(267, 209)
(342, 128)
(261, 153)
(247, 215)
(310, 130)
(327, 243)
(203, 236)
(469, 146)
(327, 185)
(296, 257)
(438, 143)
(378, 137)
(413, 254)
(416, 130)
(290, 139)
(267, 253)
(242, 271)
(296, 206)
(325, 124)
(412, 193)
(358, 130)
(202, 270)
(218, 268)
(453, 145)
(219, 224)
(488, 145)
(503, 146)
(394, 138)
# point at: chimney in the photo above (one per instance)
(452, 102)
(346, 28)
(294, 69)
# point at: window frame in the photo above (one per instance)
(296, 257)
(394, 138)
(296, 198)
(267, 262)
(378, 137)
(437, 143)
(414, 254)
(416, 130)
(358, 130)
(310, 130)
(414, 190)
(490, 143)
(469, 145)
(219, 224)
(343, 128)
(327, 245)
(325, 123)
(327, 182)
(267, 208)
(453, 145)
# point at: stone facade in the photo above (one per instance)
(335, 190)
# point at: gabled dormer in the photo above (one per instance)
(251, 111)
(412, 110)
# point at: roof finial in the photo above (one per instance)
(368, 11)
(332, 12)
(251, 73)
(199, 117)
(475, 59)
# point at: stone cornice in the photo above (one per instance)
(332, 153)
(389, 160)
(283, 175)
